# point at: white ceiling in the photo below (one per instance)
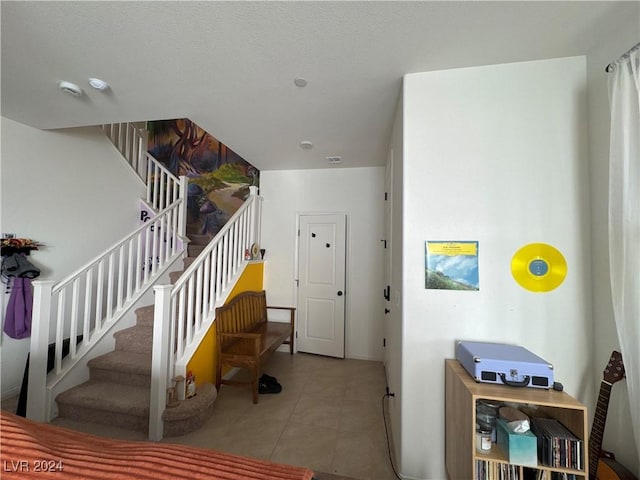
(230, 66)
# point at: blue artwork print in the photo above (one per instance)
(451, 265)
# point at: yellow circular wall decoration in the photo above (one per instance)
(538, 267)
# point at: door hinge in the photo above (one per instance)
(297, 282)
(296, 334)
(386, 196)
(384, 342)
(298, 232)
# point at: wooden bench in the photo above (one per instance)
(246, 338)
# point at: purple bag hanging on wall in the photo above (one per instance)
(17, 322)
(19, 271)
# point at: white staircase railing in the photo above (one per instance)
(131, 140)
(185, 311)
(76, 313)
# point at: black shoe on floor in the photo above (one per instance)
(267, 379)
(264, 387)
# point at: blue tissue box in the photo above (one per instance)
(521, 448)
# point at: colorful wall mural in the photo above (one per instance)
(219, 178)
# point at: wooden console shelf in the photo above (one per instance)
(461, 394)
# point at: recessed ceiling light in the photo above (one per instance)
(306, 144)
(98, 84)
(70, 88)
(300, 82)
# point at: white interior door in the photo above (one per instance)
(321, 284)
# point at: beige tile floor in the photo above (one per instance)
(328, 418)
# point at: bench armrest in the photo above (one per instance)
(292, 311)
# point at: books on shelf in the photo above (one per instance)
(487, 470)
(531, 474)
(557, 446)
(563, 476)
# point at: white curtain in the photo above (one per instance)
(624, 219)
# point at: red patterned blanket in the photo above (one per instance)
(36, 450)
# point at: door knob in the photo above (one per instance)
(339, 293)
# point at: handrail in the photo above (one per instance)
(145, 226)
(185, 312)
(231, 223)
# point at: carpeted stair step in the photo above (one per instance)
(127, 368)
(193, 228)
(144, 316)
(194, 250)
(187, 261)
(135, 339)
(123, 406)
(197, 239)
(174, 276)
(192, 413)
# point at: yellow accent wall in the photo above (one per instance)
(250, 280)
(203, 362)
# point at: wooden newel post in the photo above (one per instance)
(38, 407)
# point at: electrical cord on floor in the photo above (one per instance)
(386, 431)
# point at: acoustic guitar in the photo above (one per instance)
(603, 465)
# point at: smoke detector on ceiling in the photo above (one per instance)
(70, 88)
(334, 160)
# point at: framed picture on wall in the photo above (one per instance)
(451, 265)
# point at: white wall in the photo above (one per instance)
(618, 435)
(496, 154)
(358, 192)
(70, 190)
